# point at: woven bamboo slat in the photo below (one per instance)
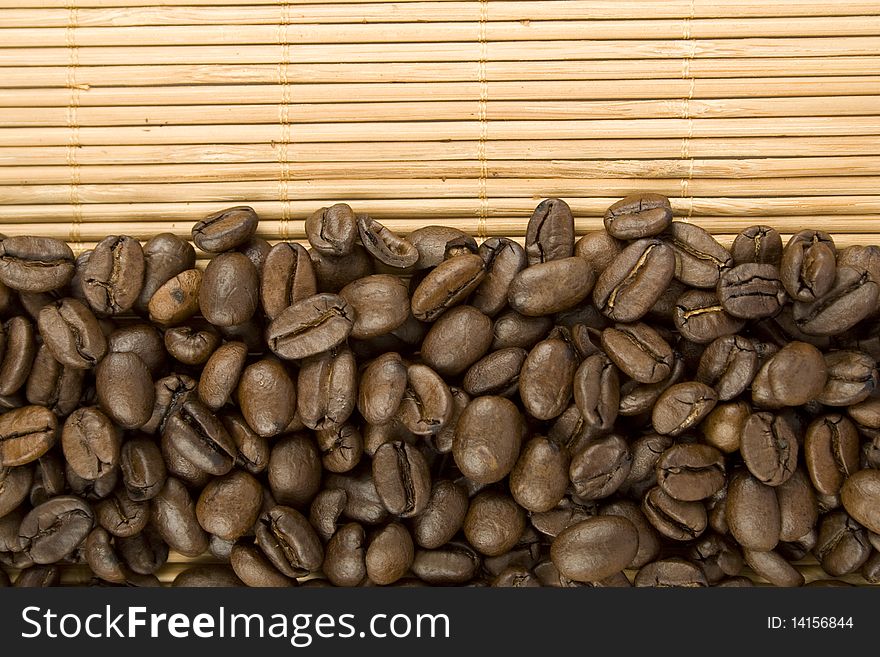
(141, 116)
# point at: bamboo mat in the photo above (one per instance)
(141, 116)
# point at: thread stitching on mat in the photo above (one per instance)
(73, 140)
(483, 210)
(284, 121)
(687, 75)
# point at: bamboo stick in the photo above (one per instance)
(433, 189)
(607, 9)
(436, 29)
(836, 106)
(174, 42)
(302, 155)
(668, 168)
(355, 92)
(405, 131)
(639, 69)
(782, 209)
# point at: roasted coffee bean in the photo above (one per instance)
(54, 529)
(860, 495)
(798, 509)
(831, 452)
(380, 302)
(102, 558)
(325, 511)
(200, 437)
(675, 519)
(842, 546)
(327, 386)
(550, 232)
(144, 340)
(165, 256)
(436, 243)
(442, 517)
(514, 330)
(728, 365)
(772, 567)
(503, 259)
(26, 434)
(638, 398)
(311, 326)
(143, 470)
(639, 352)
(38, 577)
(458, 339)
(294, 469)
(254, 569)
(332, 231)
(699, 258)
(402, 479)
(229, 505)
(267, 397)
(682, 406)
(547, 377)
(221, 374)
(384, 245)
(759, 244)
(753, 512)
(225, 230)
(192, 345)
(256, 249)
(113, 278)
(287, 277)
(691, 472)
(852, 377)
(447, 285)
(596, 392)
(595, 548)
(334, 273)
(497, 373)
(252, 450)
(14, 486)
(72, 333)
(808, 265)
(551, 287)
(716, 557)
(700, 317)
(427, 405)
(125, 389)
(769, 448)
(207, 575)
(51, 384)
(793, 376)
(120, 515)
(671, 573)
(345, 556)
(455, 563)
(638, 216)
(599, 249)
(173, 514)
(381, 389)
(362, 502)
(289, 542)
(35, 264)
(494, 523)
(229, 293)
(170, 394)
(177, 299)
(487, 439)
(389, 555)
(539, 478)
(18, 348)
(341, 447)
(91, 442)
(852, 298)
(751, 291)
(600, 468)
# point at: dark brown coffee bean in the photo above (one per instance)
(165, 256)
(177, 299)
(447, 285)
(55, 528)
(728, 365)
(384, 245)
(287, 277)
(143, 470)
(638, 216)
(436, 243)
(26, 434)
(381, 388)
(192, 345)
(229, 505)
(145, 340)
(18, 348)
(539, 479)
(595, 548)
(327, 386)
(639, 352)
(389, 555)
(600, 468)
(311, 326)
(35, 264)
(860, 495)
(221, 374)
(254, 569)
(334, 273)
(503, 259)
(229, 293)
(699, 258)
(487, 439)
(769, 448)
(691, 472)
(798, 509)
(700, 317)
(494, 523)
(267, 397)
(751, 291)
(852, 298)
(831, 452)
(458, 339)
(453, 564)
(671, 573)
(332, 231)
(200, 437)
(546, 378)
(120, 515)
(675, 519)
(15, 483)
(125, 389)
(345, 556)
(226, 229)
(514, 330)
(341, 447)
(72, 334)
(599, 249)
(381, 304)
(427, 405)
(753, 512)
(91, 443)
(294, 469)
(717, 557)
(760, 244)
(842, 546)
(723, 426)
(807, 269)
(793, 376)
(114, 275)
(443, 516)
(402, 479)
(772, 567)
(325, 511)
(289, 542)
(550, 232)
(551, 287)
(852, 377)
(682, 406)
(173, 514)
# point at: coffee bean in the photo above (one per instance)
(638, 216)
(294, 469)
(458, 339)
(599, 249)
(442, 517)
(436, 243)
(699, 258)
(427, 405)
(380, 302)
(384, 245)
(230, 290)
(229, 505)
(753, 512)
(254, 569)
(852, 377)
(691, 472)
(791, 377)
(455, 563)
(807, 269)
(345, 556)
(675, 519)
(225, 230)
(769, 448)
(402, 479)
(751, 291)
(267, 397)
(595, 548)
(289, 542)
(487, 439)
(671, 573)
(514, 330)
(327, 386)
(177, 299)
(447, 285)
(72, 334)
(287, 277)
(54, 529)
(35, 264)
(860, 495)
(494, 523)
(639, 352)
(221, 374)
(389, 554)
(496, 373)
(201, 438)
(600, 468)
(831, 452)
(760, 244)
(311, 326)
(852, 297)
(700, 317)
(842, 546)
(26, 434)
(503, 260)
(550, 232)
(125, 389)
(682, 406)
(91, 442)
(772, 567)
(18, 348)
(113, 278)
(332, 231)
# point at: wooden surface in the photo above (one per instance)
(141, 116)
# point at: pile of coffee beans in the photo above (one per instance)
(641, 405)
